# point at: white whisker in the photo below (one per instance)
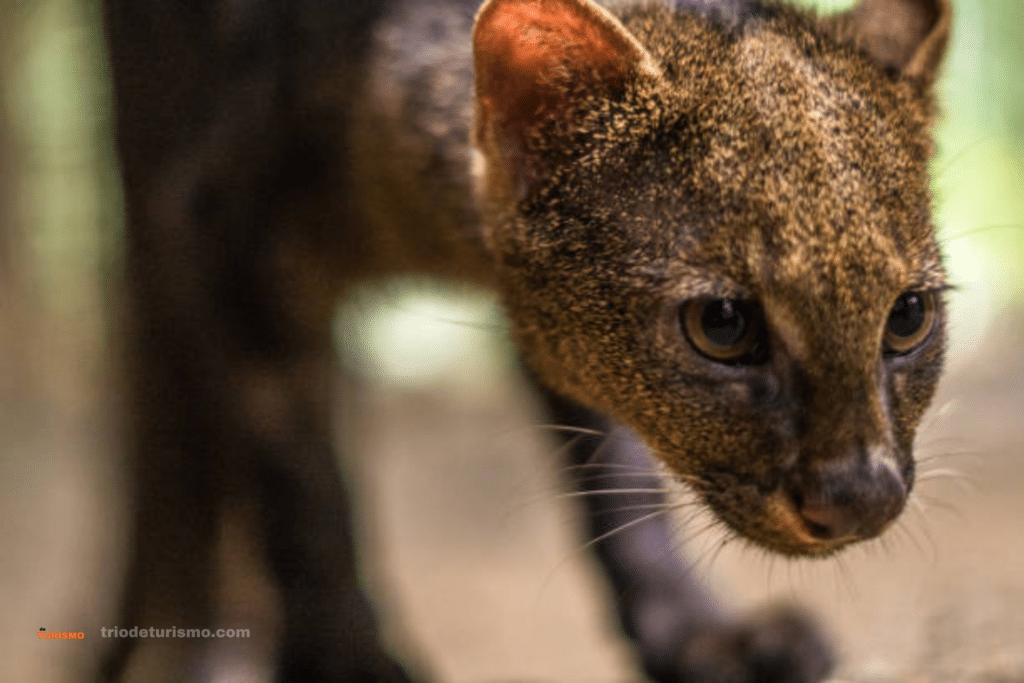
(571, 429)
(611, 492)
(613, 466)
(965, 481)
(671, 507)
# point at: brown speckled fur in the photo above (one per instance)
(275, 154)
(773, 158)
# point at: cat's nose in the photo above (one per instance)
(851, 499)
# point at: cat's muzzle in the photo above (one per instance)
(830, 503)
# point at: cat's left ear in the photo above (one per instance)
(908, 35)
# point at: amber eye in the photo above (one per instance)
(725, 330)
(910, 321)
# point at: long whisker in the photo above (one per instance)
(637, 478)
(613, 480)
(918, 504)
(549, 428)
(613, 466)
(559, 494)
(772, 558)
(718, 551)
(682, 505)
(610, 492)
(572, 429)
(624, 471)
(556, 491)
(982, 229)
(559, 453)
(848, 579)
(943, 411)
(973, 454)
(956, 158)
(707, 557)
(942, 505)
(681, 476)
(947, 438)
(598, 453)
(965, 480)
(909, 531)
(686, 477)
(713, 523)
(672, 550)
(662, 510)
(920, 508)
(622, 527)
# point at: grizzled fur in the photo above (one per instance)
(774, 163)
(600, 171)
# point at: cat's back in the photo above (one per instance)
(410, 138)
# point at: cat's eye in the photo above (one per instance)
(725, 330)
(910, 321)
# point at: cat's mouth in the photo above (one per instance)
(781, 529)
(785, 521)
(813, 539)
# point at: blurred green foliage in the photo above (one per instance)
(57, 98)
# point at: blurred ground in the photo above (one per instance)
(480, 561)
(494, 586)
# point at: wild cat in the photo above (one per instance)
(707, 222)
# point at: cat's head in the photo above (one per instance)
(718, 231)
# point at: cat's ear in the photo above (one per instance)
(538, 62)
(908, 35)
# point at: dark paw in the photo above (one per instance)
(779, 645)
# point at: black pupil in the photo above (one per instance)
(907, 316)
(723, 322)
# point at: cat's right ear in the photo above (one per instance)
(908, 35)
(539, 62)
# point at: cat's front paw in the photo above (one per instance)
(777, 645)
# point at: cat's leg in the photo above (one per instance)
(173, 502)
(248, 431)
(679, 633)
(230, 404)
(187, 443)
(329, 629)
(229, 396)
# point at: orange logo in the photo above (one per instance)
(59, 635)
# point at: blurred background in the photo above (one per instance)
(478, 555)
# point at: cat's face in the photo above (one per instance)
(739, 262)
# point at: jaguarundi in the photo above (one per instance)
(709, 224)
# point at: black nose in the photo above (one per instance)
(855, 498)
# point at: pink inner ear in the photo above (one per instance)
(526, 52)
(541, 35)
